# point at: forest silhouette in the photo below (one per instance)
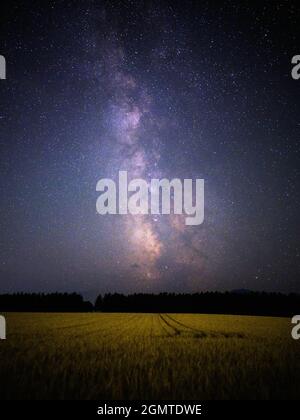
(236, 303)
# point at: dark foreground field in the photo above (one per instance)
(148, 356)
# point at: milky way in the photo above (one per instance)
(149, 240)
(128, 115)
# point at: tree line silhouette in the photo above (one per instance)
(239, 303)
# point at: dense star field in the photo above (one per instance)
(148, 356)
(159, 89)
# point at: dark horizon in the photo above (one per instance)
(240, 302)
(91, 295)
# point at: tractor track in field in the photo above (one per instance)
(165, 323)
(200, 333)
(132, 324)
(182, 328)
(163, 326)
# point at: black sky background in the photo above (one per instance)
(167, 89)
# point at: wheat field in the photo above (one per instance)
(148, 356)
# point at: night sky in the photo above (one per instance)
(161, 89)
